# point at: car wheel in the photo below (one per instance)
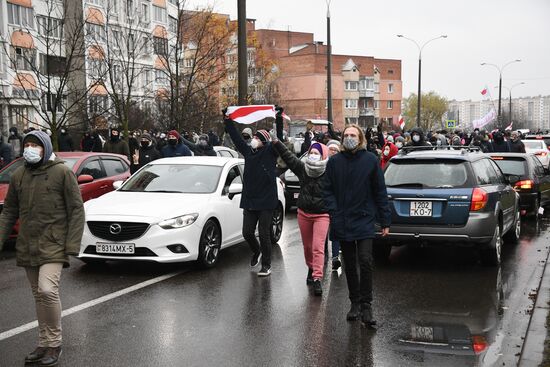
(277, 224)
(514, 232)
(381, 252)
(210, 244)
(491, 255)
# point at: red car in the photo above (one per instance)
(96, 173)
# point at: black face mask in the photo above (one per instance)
(144, 144)
(114, 138)
(172, 141)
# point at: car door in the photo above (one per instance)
(116, 170)
(92, 166)
(508, 195)
(543, 180)
(229, 209)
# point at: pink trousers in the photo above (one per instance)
(314, 228)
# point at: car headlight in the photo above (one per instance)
(179, 222)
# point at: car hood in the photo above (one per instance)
(147, 206)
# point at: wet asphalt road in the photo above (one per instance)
(227, 316)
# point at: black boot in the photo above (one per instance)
(366, 315)
(354, 312)
(51, 357)
(317, 287)
(36, 355)
(309, 279)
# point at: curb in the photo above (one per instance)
(532, 353)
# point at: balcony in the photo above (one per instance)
(366, 93)
(366, 111)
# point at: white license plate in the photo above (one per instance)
(296, 194)
(421, 209)
(422, 333)
(115, 248)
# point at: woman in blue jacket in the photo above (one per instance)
(355, 197)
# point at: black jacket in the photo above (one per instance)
(355, 196)
(311, 198)
(65, 143)
(517, 146)
(6, 153)
(259, 179)
(146, 155)
(500, 146)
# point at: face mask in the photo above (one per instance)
(114, 137)
(399, 145)
(314, 157)
(172, 141)
(12, 133)
(203, 143)
(438, 142)
(416, 138)
(144, 144)
(32, 155)
(254, 144)
(386, 152)
(350, 143)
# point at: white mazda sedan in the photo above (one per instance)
(172, 210)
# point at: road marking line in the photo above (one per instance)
(31, 325)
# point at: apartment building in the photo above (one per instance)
(531, 112)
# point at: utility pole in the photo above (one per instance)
(242, 53)
(329, 67)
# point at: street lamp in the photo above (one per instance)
(420, 48)
(500, 70)
(510, 95)
(329, 66)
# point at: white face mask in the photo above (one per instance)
(416, 138)
(32, 155)
(399, 145)
(386, 152)
(254, 144)
(314, 157)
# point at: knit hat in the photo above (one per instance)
(263, 135)
(334, 142)
(42, 139)
(203, 137)
(248, 131)
(146, 136)
(174, 133)
(322, 148)
(400, 139)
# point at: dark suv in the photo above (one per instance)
(450, 196)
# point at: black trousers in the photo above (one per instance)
(358, 254)
(251, 218)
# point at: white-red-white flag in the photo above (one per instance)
(401, 122)
(286, 117)
(250, 114)
(509, 127)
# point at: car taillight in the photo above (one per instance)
(523, 185)
(479, 343)
(541, 154)
(479, 199)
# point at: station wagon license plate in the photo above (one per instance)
(421, 209)
(296, 195)
(115, 248)
(422, 333)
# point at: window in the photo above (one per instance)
(161, 45)
(130, 9)
(95, 31)
(233, 176)
(161, 77)
(173, 2)
(376, 87)
(144, 13)
(495, 173)
(24, 58)
(113, 167)
(98, 104)
(351, 103)
(159, 14)
(95, 2)
(113, 8)
(53, 65)
(390, 105)
(390, 88)
(390, 71)
(428, 173)
(349, 85)
(480, 170)
(21, 16)
(116, 40)
(145, 44)
(97, 69)
(188, 62)
(50, 27)
(146, 76)
(366, 84)
(350, 120)
(172, 24)
(376, 105)
(48, 102)
(232, 75)
(92, 168)
(131, 42)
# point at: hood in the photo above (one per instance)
(46, 143)
(153, 207)
(393, 151)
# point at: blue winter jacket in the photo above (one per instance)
(355, 196)
(177, 150)
(260, 177)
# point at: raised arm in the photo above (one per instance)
(293, 163)
(238, 140)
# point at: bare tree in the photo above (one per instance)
(44, 67)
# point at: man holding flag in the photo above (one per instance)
(259, 196)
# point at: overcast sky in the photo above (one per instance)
(492, 31)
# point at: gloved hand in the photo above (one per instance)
(273, 135)
(224, 112)
(279, 110)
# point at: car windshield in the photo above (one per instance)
(426, 173)
(511, 166)
(5, 174)
(533, 144)
(175, 178)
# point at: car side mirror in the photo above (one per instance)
(234, 189)
(117, 184)
(512, 179)
(83, 179)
